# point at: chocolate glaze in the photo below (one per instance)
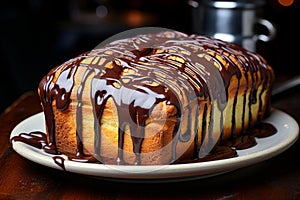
(196, 74)
(59, 92)
(36, 139)
(60, 161)
(244, 61)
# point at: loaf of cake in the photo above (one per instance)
(154, 98)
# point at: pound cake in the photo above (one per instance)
(154, 98)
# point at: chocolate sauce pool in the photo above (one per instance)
(169, 67)
(226, 149)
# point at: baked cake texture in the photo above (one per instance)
(154, 98)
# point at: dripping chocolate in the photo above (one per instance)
(166, 69)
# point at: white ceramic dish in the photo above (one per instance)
(266, 148)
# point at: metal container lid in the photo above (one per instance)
(227, 4)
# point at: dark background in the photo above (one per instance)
(36, 35)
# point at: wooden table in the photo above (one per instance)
(276, 178)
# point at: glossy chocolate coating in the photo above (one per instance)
(169, 67)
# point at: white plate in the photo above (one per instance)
(266, 148)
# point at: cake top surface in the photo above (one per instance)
(148, 63)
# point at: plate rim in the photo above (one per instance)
(154, 172)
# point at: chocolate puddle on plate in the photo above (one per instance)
(224, 150)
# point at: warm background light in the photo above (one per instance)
(286, 2)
